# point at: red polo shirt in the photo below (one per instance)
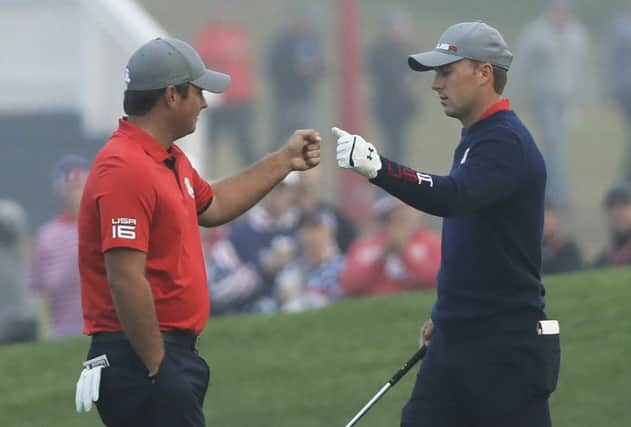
(133, 199)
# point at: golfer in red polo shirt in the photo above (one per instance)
(143, 283)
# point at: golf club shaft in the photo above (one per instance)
(395, 378)
(366, 407)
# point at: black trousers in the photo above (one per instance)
(485, 381)
(128, 397)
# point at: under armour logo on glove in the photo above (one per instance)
(353, 152)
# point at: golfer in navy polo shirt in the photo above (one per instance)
(493, 358)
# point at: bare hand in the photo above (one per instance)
(303, 149)
(426, 333)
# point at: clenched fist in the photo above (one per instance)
(302, 151)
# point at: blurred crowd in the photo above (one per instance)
(296, 250)
(291, 252)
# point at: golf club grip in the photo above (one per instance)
(408, 365)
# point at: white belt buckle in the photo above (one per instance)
(548, 327)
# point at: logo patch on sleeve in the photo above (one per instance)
(423, 177)
(124, 228)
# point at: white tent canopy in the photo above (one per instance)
(70, 55)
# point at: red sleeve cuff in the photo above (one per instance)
(122, 244)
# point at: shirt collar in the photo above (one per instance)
(151, 146)
(501, 105)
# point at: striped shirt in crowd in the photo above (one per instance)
(55, 274)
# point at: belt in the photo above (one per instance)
(183, 339)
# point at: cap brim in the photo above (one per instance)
(212, 81)
(426, 61)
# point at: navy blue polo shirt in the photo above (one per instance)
(492, 202)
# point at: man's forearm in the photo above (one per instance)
(235, 195)
(137, 315)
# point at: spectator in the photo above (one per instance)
(226, 46)
(295, 65)
(400, 255)
(619, 74)
(18, 319)
(618, 213)
(555, 44)
(393, 99)
(312, 280)
(309, 199)
(55, 269)
(559, 253)
(211, 236)
(242, 267)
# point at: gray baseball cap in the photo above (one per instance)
(471, 40)
(166, 61)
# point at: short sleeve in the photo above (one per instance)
(126, 202)
(203, 193)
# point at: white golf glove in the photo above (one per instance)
(353, 152)
(89, 383)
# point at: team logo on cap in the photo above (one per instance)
(447, 46)
(189, 187)
(127, 77)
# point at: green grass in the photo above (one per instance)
(318, 368)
